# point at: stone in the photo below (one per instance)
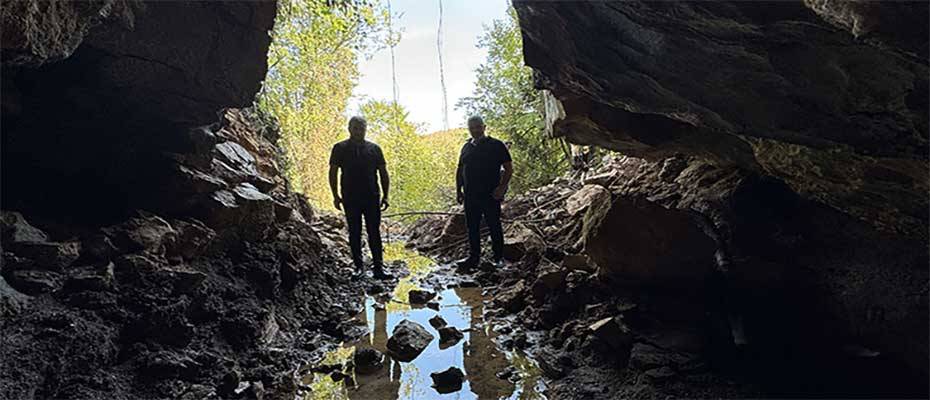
(408, 340)
(519, 241)
(94, 278)
(50, 255)
(437, 321)
(448, 381)
(615, 334)
(192, 238)
(367, 360)
(417, 296)
(512, 299)
(147, 233)
(577, 262)
(16, 229)
(98, 247)
(589, 194)
(184, 281)
(433, 305)
(449, 336)
(33, 282)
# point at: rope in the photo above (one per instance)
(442, 76)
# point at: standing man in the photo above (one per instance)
(359, 161)
(480, 184)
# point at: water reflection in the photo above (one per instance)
(476, 354)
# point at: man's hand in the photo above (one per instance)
(499, 192)
(384, 204)
(459, 197)
(337, 202)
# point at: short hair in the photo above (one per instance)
(475, 118)
(358, 120)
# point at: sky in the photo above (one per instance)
(417, 60)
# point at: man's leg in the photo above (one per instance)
(354, 225)
(372, 214)
(473, 223)
(492, 216)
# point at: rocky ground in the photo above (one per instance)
(670, 317)
(225, 303)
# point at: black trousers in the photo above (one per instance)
(490, 209)
(371, 210)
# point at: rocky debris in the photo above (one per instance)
(34, 282)
(448, 381)
(449, 336)
(94, 278)
(367, 360)
(520, 240)
(408, 340)
(512, 299)
(437, 321)
(15, 229)
(417, 296)
(48, 255)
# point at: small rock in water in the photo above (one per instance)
(368, 360)
(506, 373)
(337, 376)
(437, 322)
(408, 340)
(449, 336)
(448, 381)
(420, 296)
(434, 305)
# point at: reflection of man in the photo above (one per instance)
(480, 184)
(378, 385)
(359, 161)
(482, 359)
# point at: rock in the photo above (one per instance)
(433, 305)
(589, 194)
(229, 383)
(367, 360)
(417, 296)
(51, 255)
(15, 229)
(551, 277)
(578, 262)
(192, 238)
(449, 336)
(33, 282)
(168, 364)
(147, 233)
(615, 334)
(98, 247)
(437, 321)
(338, 376)
(660, 374)
(520, 240)
(513, 298)
(448, 381)
(94, 278)
(408, 340)
(673, 250)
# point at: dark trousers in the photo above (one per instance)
(475, 208)
(371, 210)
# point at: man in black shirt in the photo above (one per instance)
(481, 186)
(359, 161)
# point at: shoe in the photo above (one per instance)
(359, 272)
(380, 274)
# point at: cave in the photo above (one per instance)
(769, 171)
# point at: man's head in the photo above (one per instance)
(357, 127)
(476, 126)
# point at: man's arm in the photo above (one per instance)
(333, 172)
(459, 181)
(385, 185)
(505, 181)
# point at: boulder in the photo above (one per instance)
(589, 194)
(50, 255)
(449, 336)
(147, 233)
(616, 335)
(367, 360)
(520, 240)
(417, 296)
(512, 299)
(408, 340)
(93, 278)
(448, 381)
(437, 321)
(16, 229)
(638, 241)
(192, 238)
(33, 282)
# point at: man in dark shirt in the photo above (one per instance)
(359, 161)
(481, 186)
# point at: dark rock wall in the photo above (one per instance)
(804, 129)
(769, 86)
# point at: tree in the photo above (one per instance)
(511, 108)
(313, 68)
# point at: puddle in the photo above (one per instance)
(476, 354)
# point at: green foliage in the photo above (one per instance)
(422, 167)
(313, 67)
(512, 109)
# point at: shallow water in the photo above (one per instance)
(476, 354)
